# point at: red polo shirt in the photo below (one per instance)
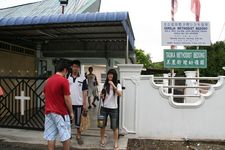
(55, 89)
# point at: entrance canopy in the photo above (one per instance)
(95, 35)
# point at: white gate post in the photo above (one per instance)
(129, 77)
(190, 91)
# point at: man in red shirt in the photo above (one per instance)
(58, 108)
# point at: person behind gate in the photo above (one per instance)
(109, 107)
(58, 108)
(78, 89)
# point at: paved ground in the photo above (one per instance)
(11, 138)
(19, 137)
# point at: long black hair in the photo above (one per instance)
(114, 80)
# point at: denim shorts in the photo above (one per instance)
(57, 125)
(113, 114)
(78, 109)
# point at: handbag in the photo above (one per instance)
(85, 121)
(101, 118)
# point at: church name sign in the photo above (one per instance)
(185, 58)
(182, 33)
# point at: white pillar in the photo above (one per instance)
(165, 82)
(129, 77)
(109, 63)
(190, 91)
(82, 71)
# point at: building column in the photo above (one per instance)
(109, 63)
(130, 75)
(38, 56)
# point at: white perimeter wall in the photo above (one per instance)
(148, 114)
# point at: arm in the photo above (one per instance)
(118, 92)
(96, 81)
(67, 98)
(84, 92)
(118, 89)
(84, 99)
(68, 103)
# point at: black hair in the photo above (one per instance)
(61, 65)
(90, 68)
(75, 62)
(114, 80)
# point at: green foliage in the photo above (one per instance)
(143, 58)
(215, 59)
(158, 65)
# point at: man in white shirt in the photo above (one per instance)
(92, 87)
(78, 90)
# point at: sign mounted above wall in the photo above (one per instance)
(185, 58)
(182, 33)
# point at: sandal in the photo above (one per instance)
(80, 141)
(102, 144)
(116, 148)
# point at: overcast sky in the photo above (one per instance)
(146, 17)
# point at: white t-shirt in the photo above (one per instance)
(111, 99)
(77, 86)
(92, 81)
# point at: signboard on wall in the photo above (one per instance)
(182, 33)
(185, 58)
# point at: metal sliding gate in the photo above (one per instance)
(22, 105)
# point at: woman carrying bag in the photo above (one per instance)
(109, 107)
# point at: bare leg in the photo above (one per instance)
(66, 144)
(51, 145)
(89, 102)
(102, 134)
(79, 140)
(93, 103)
(116, 133)
(78, 133)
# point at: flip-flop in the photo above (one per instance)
(80, 141)
(116, 148)
(102, 144)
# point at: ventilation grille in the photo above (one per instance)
(12, 48)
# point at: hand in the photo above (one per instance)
(84, 113)
(71, 116)
(85, 108)
(112, 84)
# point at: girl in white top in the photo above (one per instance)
(109, 107)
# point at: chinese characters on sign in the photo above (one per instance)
(182, 33)
(185, 58)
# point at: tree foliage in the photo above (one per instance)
(143, 58)
(215, 59)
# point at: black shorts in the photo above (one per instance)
(113, 114)
(77, 109)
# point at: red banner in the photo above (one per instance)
(174, 6)
(196, 8)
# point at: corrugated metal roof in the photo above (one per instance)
(70, 19)
(50, 7)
